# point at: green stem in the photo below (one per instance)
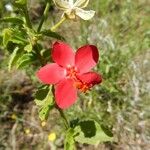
(42, 61)
(26, 13)
(58, 24)
(44, 16)
(62, 114)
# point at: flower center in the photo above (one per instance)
(82, 86)
(70, 13)
(71, 72)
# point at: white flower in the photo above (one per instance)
(9, 7)
(72, 9)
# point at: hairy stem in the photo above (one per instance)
(58, 24)
(62, 114)
(44, 16)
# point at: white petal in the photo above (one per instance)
(81, 3)
(62, 4)
(85, 15)
(71, 2)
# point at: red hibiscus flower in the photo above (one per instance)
(70, 72)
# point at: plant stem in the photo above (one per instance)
(62, 114)
(44, 16)
(42, 61)
(28, 22)
(58, 24)
(26, 13)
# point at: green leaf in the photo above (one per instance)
(69, 139)
(44, 112)
(52, 34)
(17, 40)
(13, 58)
(7, 34)
(28, 48)
(90, 132)
(40, 95)
(14, 20)
(19, 37)
(24, 60)
(20, 2)
(44, 99)
(14, 35)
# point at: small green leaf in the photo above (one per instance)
(52, 34)
(24, 60)
(7, 34)
(19, 37)
(44, 112)
(13, 35)
(41, 95)
(69, 139)
(14, 20)
(17, 40)
(21, 2)
(13, 58)
(28, 48)
(44, 99)
(90, 132)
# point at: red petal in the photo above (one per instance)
(90, 78)
(51, 73)
(63, 54)
(65, 94)
(86, 58)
